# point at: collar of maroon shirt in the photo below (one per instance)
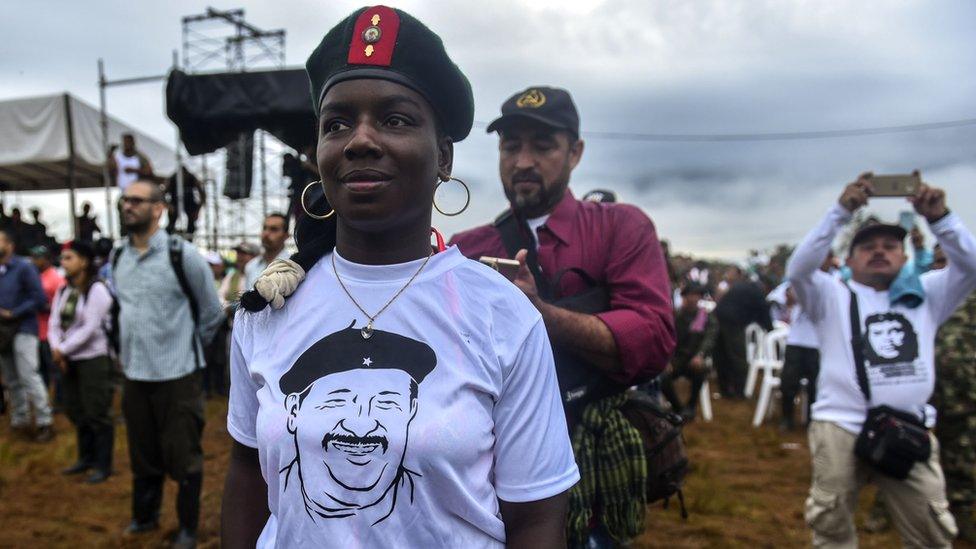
(563, 217)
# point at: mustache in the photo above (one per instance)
(529, 176)
(354, 440)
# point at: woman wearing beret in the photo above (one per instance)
(79, 347)
(402, 395)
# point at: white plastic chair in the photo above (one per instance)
(705, 394)
(705, 401)
(772, 365)
(754, 350)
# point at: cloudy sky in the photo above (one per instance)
(658, 67)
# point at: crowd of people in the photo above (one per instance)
(386, 391)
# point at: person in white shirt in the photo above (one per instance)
(126, 166)
(898, 344)
(802, 359)
(403, 395)
(274, 234)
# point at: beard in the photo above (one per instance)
(137, 225)
(529, 198)
(529, 202)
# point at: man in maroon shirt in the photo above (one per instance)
(610, 245)
(615, 244)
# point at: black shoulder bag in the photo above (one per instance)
(891, 440)
(579, 382)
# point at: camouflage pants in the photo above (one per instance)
(955, 399)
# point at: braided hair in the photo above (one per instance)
(315, 238)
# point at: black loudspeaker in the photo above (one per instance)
(239, 168)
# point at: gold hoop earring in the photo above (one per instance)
(310, 214)
(467, 199)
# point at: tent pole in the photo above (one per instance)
(264, 178)
(179, 161)
(206, 187)
(106, 179)
(71, 165)
(216, 211)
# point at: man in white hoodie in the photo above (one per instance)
(898, 344)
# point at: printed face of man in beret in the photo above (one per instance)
(887, 338)
(351, 430)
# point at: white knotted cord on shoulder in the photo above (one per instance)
(279, 280)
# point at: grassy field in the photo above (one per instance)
(746, 489)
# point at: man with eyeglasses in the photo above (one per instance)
(168, 312)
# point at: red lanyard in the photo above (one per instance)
(440, 239)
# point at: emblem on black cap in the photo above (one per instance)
(532, 99)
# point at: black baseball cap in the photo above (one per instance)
(694, 288)
(551, 106)
(873, 228)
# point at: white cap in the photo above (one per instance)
(213, 258)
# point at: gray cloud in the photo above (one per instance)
(648, 67)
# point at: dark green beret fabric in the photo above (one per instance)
(419, 61)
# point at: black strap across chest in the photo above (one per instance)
(857, 347)
(516, 235)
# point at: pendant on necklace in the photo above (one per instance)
(367, 331)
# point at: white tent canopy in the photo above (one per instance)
(55, 142)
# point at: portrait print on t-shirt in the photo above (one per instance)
(891, 350)
(350, 401)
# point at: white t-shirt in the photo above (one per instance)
(123, 178)
(803, 332)
(899, 341)
(365, 458)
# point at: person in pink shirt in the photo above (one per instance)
(79, 346)
(51, 280)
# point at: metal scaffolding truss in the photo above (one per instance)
(222, 40)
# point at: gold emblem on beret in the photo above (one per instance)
(532, 99)
(372, 34)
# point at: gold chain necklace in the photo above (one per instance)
(367, 330)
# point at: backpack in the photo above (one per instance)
(176, 261)
(664, 447)
(108, 323)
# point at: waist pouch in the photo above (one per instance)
(892, 441)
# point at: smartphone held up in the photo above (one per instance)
(895, 185)
(507, 267)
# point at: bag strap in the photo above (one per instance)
(176, 260)
(857, 347)
(515, 236)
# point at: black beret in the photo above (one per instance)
(347, 350)
(389, 44)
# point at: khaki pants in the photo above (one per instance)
(917, 505)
